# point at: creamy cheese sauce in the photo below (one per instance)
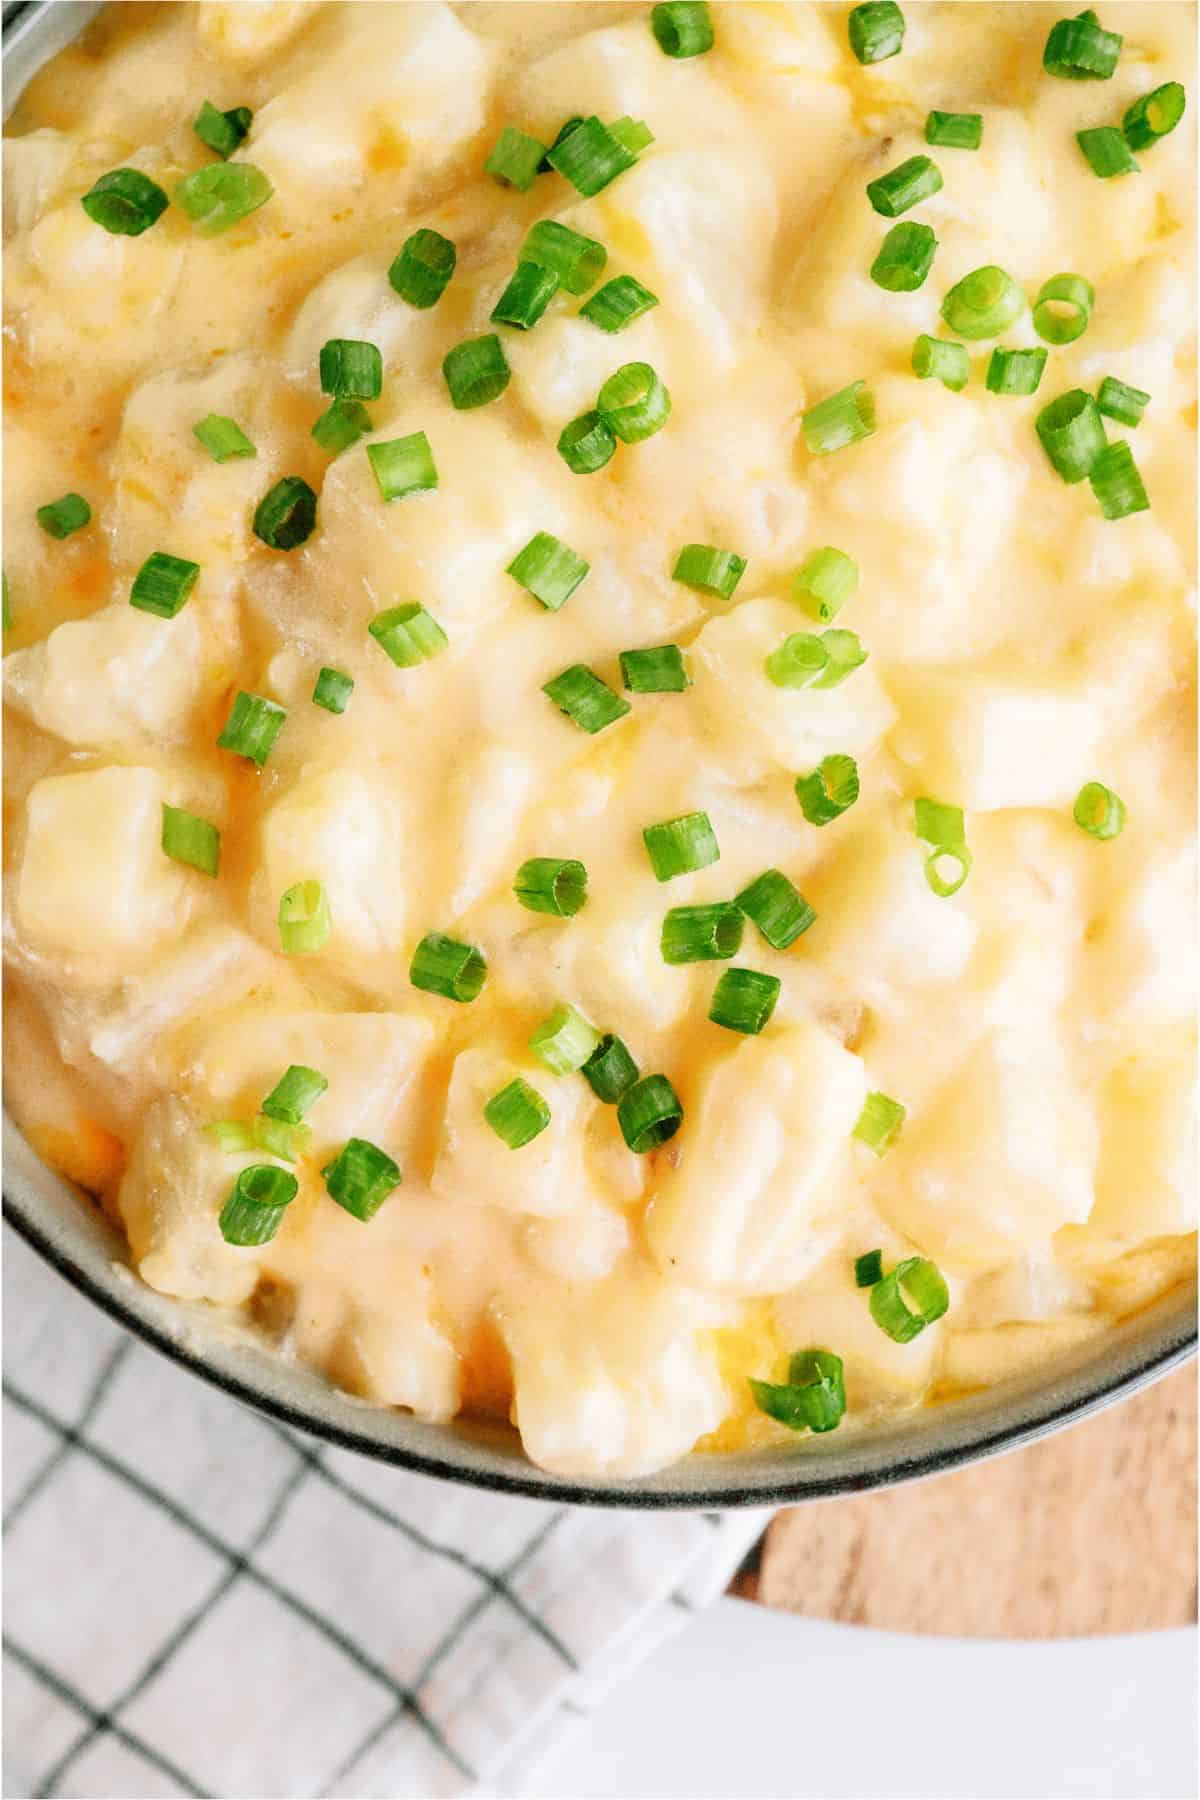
(1037, 1025)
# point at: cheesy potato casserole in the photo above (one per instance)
(599, 664)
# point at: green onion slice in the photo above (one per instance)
(340, 425)
(517, 1114)
(575, 259)
(984, 303)
(904, 187)
(634, 403)
(223, 438)
(1071, 433)
(59, 518)
(252, 727)
(125, 202)
(843, 654)
(589, 702)
(351, 369)
(360, 1178)
(257, 1202)
(942, 828)
(163, 584)
(590, 157)
(188, 839)
(530, 290)
(1120, 402)
(222, 131)
(868, 1268)
(231, 1136)
(829, 791)
(442, 965)
(618, 303)
(813, 1397)
(1015, 371)
(649, 1113)
(551, 884)
(840, 419)
(476, 372)
(1106, 152)
(286, 516)
(905, 258)
(565, 1040)
(702, 933)
(1117, 484)
(947, 363)
(954, 131)
(798, 662)
(743, 1000)
(586, 444)
(408, 634)
(712, 571)
(548, 569)
(1063, 308)
(1154, 115)
(288, 1142)
(305, 919)
(823, 583)
(876, 31)
(221, 195)
(403, 466)
(1099, 811)
(682, 27)
(515, 159)
(915, 1279)
(879, 1124)
(297, 1089)
(546, 167)
(422, 271)
(776, 908)
(661, 670)
(333, 690)
(610, 1071)
(680, 846)
(1079, 49)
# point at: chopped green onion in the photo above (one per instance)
(297, 1089)
(702, 933)
(1015, 371)
(829, 791)
(618, 303)
(776, 908)
(923, 1283)
(680, 846)
(1154, 115)
(546, 167)
(814, 1396)
(634, 403)
(984, 303)
(1071, 433)
(1063, 308)
(610, 1071)
(823, 583)
(876, 31)
(421, 273)
(221, 195)
(403, 466)
(682, 27)
(190, 840)
(305, 919)
(259, 1198)
(1079, 49)
(879, 1124)
(441, 965)
(565, 1040)
(658, 671)
(1106, 152)
(843, 654)
(551, 884)
(408, 634)
(252, 727)
(576, 260)
(517, 1114)
(904, 186)
(1117, 401)
(223, 438)
(1117, 484)
(360, 1178)
(713, 571)
(868, 1268)
(222, 131)
(288, 1142)
(476, 372)
(743, 1000)
(163, 584)
(530, 290)
(125, 202)
(585, 699)
(351, 369)
(590, 157)
(333, 690)
(947, 363)
(548, 569)
(954, 131)
(515, 159)
(649, 1113)
(942, 828)
(586, 444)
(798, 661)
(840, 419)
(341, 425)
(286, 516)
(634, 134)
(905, 258)
(231, 1136)
(59, 518)
(1099, 811)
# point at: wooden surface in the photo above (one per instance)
(1093, 1530)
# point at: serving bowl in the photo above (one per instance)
(79, 1241)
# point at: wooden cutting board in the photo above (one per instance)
(1093, 1530)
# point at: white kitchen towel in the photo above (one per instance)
(198, 1601)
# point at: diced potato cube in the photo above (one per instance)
(545, 1177)
(341, 827)
(119, 678)
(877, 1370)
(1146, 1181)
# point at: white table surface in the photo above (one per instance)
(749, 1704)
